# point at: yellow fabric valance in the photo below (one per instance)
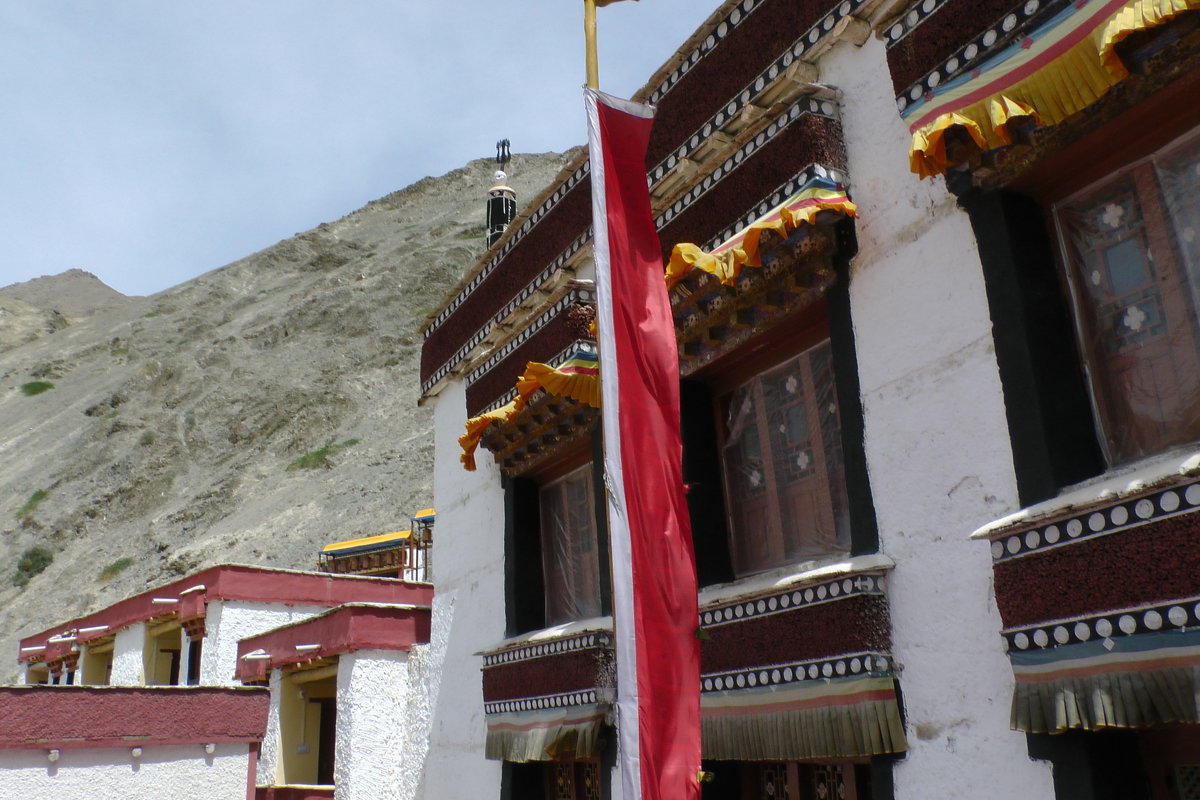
(578, 378)
(544, 734)
(725, 261)
(839, 718)
(1064, 66)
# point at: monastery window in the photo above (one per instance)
(554, 780)
(783, 466)
(308, 727)
(787, 780)
(1130, 244)
(557, 557)
(97, 660)
(771, 483)
(570, 547)
(37, 674)
(1090, 266)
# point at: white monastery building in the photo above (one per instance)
(934, 268)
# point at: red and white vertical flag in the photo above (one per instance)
(654, 573)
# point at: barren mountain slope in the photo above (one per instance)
(166, 440)
(74, 294)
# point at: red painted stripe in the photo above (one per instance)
(252, 772)
(870, 696)
(232, 582)
(1110, 667)
(90, 717)
(551, 723)
(345, 629)
(998, 84)
(660, 580)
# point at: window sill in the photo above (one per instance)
(565, 630)
(1113, 486)
(794, 575)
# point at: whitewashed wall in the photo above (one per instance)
(378, 758)
(227, 621)
(468, 609)
(937, 447)
(170, 772)
(127, 666)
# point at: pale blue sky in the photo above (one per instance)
(149, 141)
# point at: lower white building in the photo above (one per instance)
(127, 743)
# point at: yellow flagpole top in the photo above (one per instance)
(589, 37)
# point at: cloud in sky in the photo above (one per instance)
(149, 142)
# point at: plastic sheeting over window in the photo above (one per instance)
(784, 472)
(570, 555)
(1132, 248)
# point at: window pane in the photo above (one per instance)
(783, 466)
(1132, 270)
(570, 557)
(1179, 176)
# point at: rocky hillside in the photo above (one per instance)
(250, 415)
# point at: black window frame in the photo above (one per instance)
(524, 579)
(701, 454)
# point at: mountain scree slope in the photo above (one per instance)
(250, 415)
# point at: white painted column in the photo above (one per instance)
(185, 654)
(468, 609)
(268, 755)
(127, 666)
(937, 448)
(380, 748)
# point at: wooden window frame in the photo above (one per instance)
(1167, 291)
(808, 329)
(573, 596)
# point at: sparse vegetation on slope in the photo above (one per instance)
(32, 562)
(32, 503)
(319, 459)
(116, 568)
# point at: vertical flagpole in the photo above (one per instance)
(589, 37)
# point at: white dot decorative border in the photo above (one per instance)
(792, 599)
(566, 186)
(735, 17)
(980, 48)
(1096, 521)
(587, 641)
(512, 305)
(576, 296)
(583, 697)
(793, 53)
(795, 184)
(844, 666)
(735, 160)
(911, 21)
(1174, 615)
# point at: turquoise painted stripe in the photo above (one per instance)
(1121, 645)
